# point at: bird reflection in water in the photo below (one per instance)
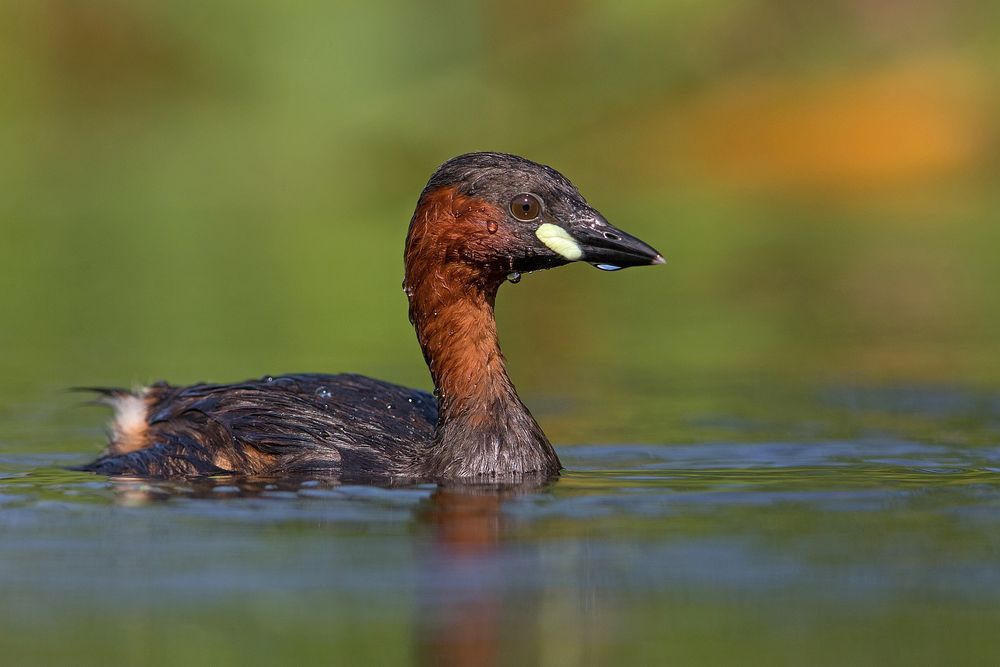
(467, 613)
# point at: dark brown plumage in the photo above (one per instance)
(481, 217)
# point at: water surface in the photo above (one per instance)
(876, 549)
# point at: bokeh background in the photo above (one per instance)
(220, 190)
(215, 190)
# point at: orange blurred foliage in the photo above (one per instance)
(895, 127)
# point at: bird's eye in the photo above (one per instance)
(526, 206)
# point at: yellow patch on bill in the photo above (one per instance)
(559, 241)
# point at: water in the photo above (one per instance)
(877, 548)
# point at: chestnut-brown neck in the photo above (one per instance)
(451, 281)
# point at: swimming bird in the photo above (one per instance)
(482, 219)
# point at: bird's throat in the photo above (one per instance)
(483, 427)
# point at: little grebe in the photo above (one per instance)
(483, 217)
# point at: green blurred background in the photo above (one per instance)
(220, 190)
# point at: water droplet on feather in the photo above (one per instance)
(514, 277)
(324, 392)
